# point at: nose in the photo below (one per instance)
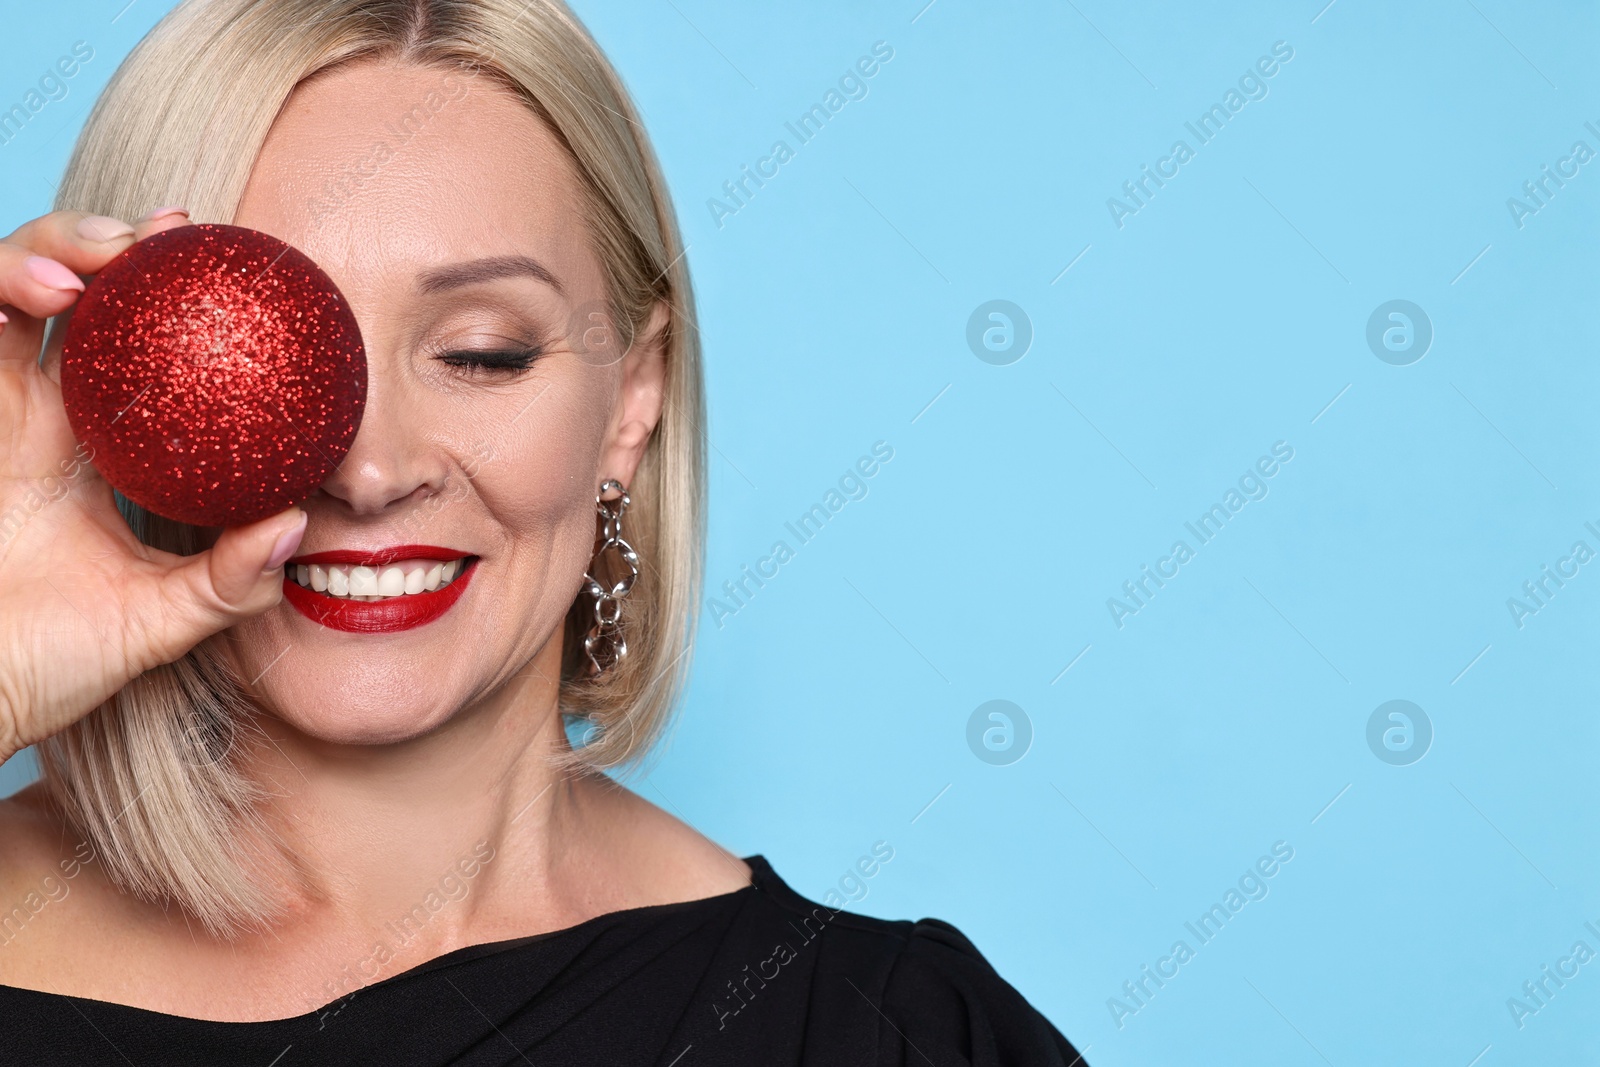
(390, 462)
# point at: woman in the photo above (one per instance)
(283, 818)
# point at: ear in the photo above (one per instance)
(644, 390)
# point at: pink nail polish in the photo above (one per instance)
(103, 228)
(288, 541)
(162, 212)
(52, 275)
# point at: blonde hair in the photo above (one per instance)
(147, 777)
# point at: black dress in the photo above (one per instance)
(757, 977)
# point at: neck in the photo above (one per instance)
(374, 830)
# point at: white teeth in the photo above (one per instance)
(416, 576)
(391, 581)
(367, 584)
(363, 581)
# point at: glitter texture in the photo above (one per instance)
(217, 373)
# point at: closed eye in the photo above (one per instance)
(498, 359)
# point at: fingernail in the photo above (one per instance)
(103, 228)
(162, 212)
(3, 318)
(288, 541)
(52, 275)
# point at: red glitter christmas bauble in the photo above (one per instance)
(217, 373)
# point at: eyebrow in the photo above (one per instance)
(493, 268)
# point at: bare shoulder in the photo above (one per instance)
(676, 861)
(64, 926)
(33, 841)
(39, 869)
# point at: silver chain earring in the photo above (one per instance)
(605, 644)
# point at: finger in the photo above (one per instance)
(162, 218)
(155, 222)
(83, 242)
(36, 285)
(238, 577)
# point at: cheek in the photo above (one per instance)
(539, 485)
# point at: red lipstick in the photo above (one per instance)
(390, 615)
(381, 557)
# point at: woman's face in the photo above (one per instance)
(453, 221)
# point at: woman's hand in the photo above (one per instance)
(85, 607)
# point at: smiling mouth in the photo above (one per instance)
(376, 594)
(370, 584)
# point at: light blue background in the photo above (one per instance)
(1224, 316)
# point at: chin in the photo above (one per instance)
(380, 703)
(336, 725)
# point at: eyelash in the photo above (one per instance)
(498, 360)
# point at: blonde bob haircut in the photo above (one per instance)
(149, 778)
